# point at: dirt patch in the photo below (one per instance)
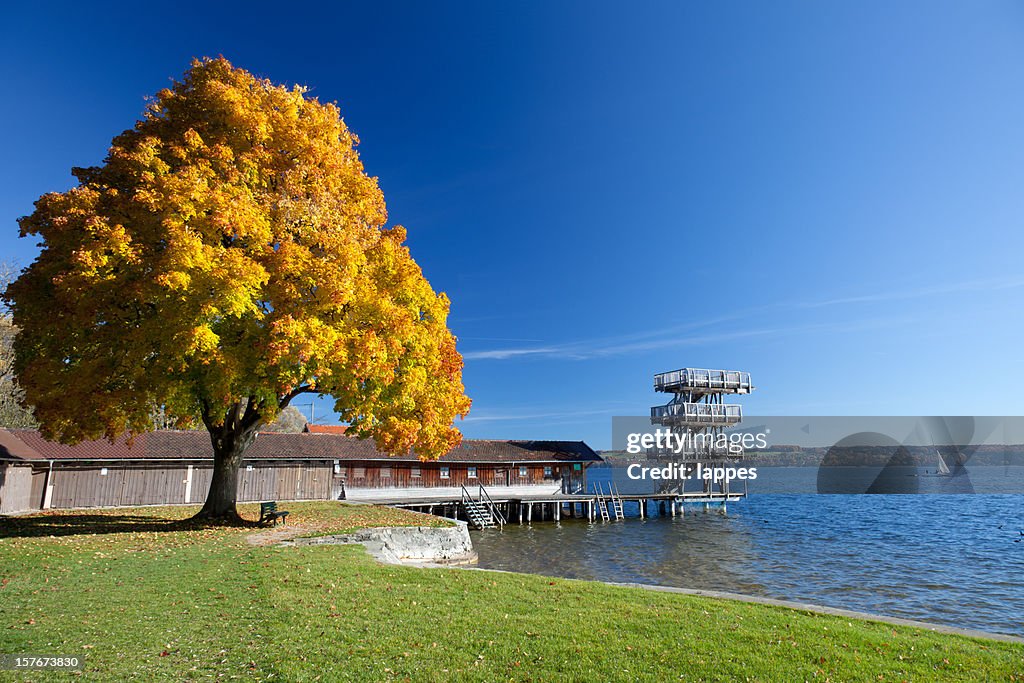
(277, 534)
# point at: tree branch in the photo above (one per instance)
(287, 398)
(204, 414)
(233, 419)
(252, 414)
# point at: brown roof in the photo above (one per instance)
(101, 450)
(28, 444)
(11, 447)
(326, 429)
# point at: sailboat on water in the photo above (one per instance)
(942, 469)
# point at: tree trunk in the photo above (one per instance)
(220, 501)
(231, 435)
(230, 442)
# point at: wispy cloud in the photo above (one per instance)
(901, 294)
(499, 339)
(635, 341)
(679, 336)
(505, 354)
(514, 416)
(670, 338)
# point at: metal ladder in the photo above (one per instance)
(613, 491)
(602, 503)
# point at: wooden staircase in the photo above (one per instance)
(481, 511)
(478, 515)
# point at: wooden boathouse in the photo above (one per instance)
(488, 482)
(175, 467)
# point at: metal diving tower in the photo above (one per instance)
(698, 417)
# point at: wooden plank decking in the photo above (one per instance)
(527, 508)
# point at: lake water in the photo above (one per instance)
(940, 557)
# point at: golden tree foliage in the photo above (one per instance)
(230, 254)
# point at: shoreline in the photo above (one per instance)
(377, 548)
(775, 602)
(824, 609)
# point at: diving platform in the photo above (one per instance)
(697, 414)
(701, 381)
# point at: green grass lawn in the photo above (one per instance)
(140, 595)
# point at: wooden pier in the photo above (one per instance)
(552, 508)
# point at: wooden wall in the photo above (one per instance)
(300, 480)
(376, 474)
(16, 488)
(86, 485)
(114, 484)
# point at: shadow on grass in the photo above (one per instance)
(37, 526)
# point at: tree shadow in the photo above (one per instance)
(45, 525)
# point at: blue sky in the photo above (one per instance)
(829, 195)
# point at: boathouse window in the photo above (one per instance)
(547, 470)
(385, 471)
(445, 472)
(471, 472)
(415, 472)
(358, 472)
(523, 471)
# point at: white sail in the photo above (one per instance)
(942, 463)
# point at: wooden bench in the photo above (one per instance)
(270, 514)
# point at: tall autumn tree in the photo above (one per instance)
(13, 412)
(229, 255)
